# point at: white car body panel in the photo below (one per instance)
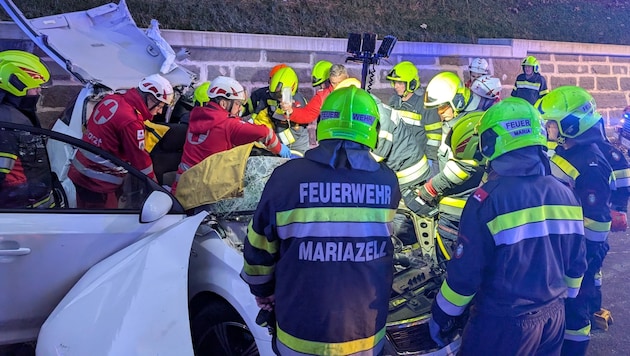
(61, 247)
(132, 303)
(215, 266)
(108, 33)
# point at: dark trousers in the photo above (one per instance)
(537, 333)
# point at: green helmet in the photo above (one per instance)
(321, 72)
(284, 77)
(405, 72)
(21, 71)
(349, 114)
(201, 94)
(572, 108)
(511, 124)
(464, 141)
(531, 61)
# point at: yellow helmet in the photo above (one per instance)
(21, 71)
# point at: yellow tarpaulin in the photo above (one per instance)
(217, 177)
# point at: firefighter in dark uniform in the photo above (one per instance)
(520, 247)
(530, 85)
(318, 250)
(424, 122)
(25, 174)
(572, 120)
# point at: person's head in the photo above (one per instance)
(530, 65)
(228, 94)
(200, 96)
(464, 141)
(488, 88)
(321, 72)
(404, 78)
(349, 114)
(447, 93)
(283, 78)
(157, 92)
(510, 125)
(477, 68)
(22, 74)
(338, 73)
(569, 110)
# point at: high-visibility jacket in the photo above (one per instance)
(398, 149)
(621, 175)
(25, 174)
(212, 130)
(117, 126)
(320, 242)
(520, 244)
(425, 123)
(530, 89)
(585, 169)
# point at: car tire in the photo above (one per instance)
(218, 330)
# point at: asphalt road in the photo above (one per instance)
(615, 292)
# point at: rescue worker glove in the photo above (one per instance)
(440, 324)
(417, 205)
(285, 151)
(619, 221)
(428, 194)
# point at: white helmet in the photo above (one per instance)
(487, 87)
(158, 86)
(479, 65)
(226, 87)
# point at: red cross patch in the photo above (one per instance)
(104, 112)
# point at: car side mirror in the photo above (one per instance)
(155, 206)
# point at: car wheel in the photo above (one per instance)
(218, 330)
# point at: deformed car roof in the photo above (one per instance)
(101, 45)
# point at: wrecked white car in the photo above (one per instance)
(147, 278)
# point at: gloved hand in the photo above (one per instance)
(434, 331)
(440, 324)
(285, 151)
(428, 194)
(416, 204)
(183, 53)
(619, 221)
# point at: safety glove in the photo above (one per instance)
(285, 151)
(428, 194)
(440, 324)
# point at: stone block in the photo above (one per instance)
(59, 96)
(540, 56)
(560, 81)
(507, 70)
(566, 58)
(334, 58)
(572, 69)
(620, 70)
(420, 60)
(600, 69)
(587, 83)
(547, 68)
(217, 70)
(288, 57)
(614, 59)
(609, 100)
(586, 58)
(452, 60)
(607, 83)
(252, 74)
(48, 117)
(624, 84)
(224, 55)
(23, 45)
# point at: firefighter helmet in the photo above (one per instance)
(201, 94)
(228, 88)
(509, 125)
(530, 61)
(349, 114)
(21, 71)
(464, 141)
(446, 88)
(284, 77)
(405, 72)
(275, 69)
(159, 87)
(321, 72)
(572, 108)
(479, 66)
(487, 87)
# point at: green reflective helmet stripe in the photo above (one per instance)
(349, 114)
(405, 72)
(572, 108)
(511, 124)
(321, 72)
(464, 141)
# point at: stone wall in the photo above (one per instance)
(601, 69)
